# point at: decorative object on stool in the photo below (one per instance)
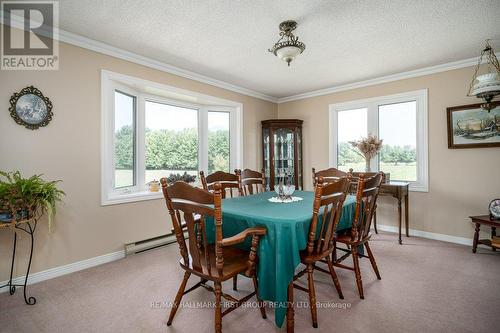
(494, 208)
(488, 85)
(23, 201)
(368, 147)
(31, 108)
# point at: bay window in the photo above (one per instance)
(124, 138)
(147, 136)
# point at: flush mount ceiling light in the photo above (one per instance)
(288, 46)
(488, 85)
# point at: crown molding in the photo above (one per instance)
(93, 45)
(385, 79)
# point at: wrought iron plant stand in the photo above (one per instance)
(25, 224)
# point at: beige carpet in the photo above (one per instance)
(427, 286)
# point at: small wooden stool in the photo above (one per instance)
(485, 220)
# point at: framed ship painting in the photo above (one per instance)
(469, 126)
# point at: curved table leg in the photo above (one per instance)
(31, 300)
(12, 289)
(30, 230)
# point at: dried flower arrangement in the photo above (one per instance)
(368, 147)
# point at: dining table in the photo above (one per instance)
(287, 227)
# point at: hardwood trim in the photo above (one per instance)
(282, 122)
(295, 127)
(385, 79)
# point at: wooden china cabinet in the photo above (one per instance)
(282, 150)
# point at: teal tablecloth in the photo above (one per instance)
(287, 228)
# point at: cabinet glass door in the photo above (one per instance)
(267, 156)
(299, 159)
(284, 154)
(281, 151)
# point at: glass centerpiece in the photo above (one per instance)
(285, 188)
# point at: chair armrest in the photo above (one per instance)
(240, 237)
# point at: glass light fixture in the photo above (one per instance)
(488, 85)
(288, 46)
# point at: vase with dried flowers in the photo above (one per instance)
(367, 147)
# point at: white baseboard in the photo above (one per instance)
(429, 235)
(66, 269)
(87, 263)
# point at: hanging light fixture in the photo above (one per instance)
(288, 46)
(488, 85)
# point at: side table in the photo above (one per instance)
(484, 220)
(399, 191)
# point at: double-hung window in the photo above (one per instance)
(399, 120)
(147, 136)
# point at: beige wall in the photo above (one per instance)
(69, 149)
(461, 181)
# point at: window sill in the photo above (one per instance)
(116, 199)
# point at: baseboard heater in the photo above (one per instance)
(149, 244)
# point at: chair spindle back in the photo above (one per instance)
(366, 203)
(329, 199)
(328, 175)
(253, 182)
(182, 198)
(229, 182)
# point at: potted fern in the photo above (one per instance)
(26, 198)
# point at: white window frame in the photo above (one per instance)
(110, 82)
(372, 104)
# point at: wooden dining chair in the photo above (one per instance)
(217, 261)
(359, 235)
(330, 174)
(229, 182)
(253, 182)
(327, 208)
(355, 177)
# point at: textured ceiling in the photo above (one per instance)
(346, 40)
